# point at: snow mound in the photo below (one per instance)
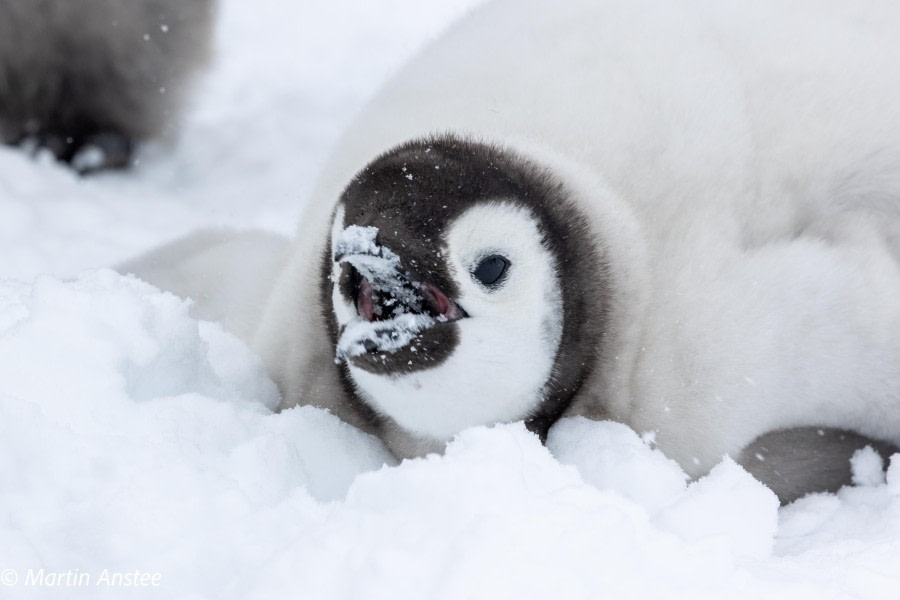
(611, 456)
(728, 507)
(135, 438)
(495, 517)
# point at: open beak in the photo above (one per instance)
(396, 305)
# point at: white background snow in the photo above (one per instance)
(135, 439)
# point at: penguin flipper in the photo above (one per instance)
(799, 461)
(228, 274)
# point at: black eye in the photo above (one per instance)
(491, 270)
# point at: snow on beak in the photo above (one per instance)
(392, 307)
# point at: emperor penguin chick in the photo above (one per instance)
(684, 217)
(89, 79)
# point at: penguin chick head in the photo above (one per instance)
(451, 279)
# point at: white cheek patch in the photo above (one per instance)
(530, 298)
(507, 345)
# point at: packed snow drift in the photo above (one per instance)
(139, 447)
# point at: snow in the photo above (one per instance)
(381, 268)
(611, 457)
(361, 240)
(135, 439)
(867, 467)
(388, 336)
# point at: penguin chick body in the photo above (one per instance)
(89, 79)
(683, 217)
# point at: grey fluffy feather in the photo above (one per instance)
(796, 462)
(97, 71)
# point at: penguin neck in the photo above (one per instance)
(604, 387)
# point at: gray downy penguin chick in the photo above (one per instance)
(495, 307)
(89, 79)
(683, 218)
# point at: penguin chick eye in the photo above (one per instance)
(491, 270)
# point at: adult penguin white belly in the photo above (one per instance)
(680, 216)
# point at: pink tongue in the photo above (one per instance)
(441, 302)
(365, 303)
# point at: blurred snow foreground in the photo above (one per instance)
(137, 440)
